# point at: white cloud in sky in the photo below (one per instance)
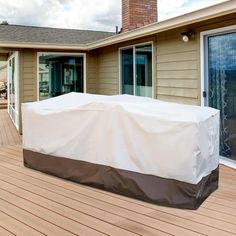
(80, 14)
(85, 14)
(168, 8)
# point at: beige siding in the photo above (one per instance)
(178, 63)
(91, 72)
(177, 69)
(108, 71)
(3, 57)
(28, 78)
(108, 66)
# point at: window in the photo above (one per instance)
(219, 83)
(136, 70)
(60, 74)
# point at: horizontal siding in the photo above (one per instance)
(110, 80)
(27, 81)
(3, 57)
(177, 65)
(178, 83)
(106, 91)
(177, 74)
(178, 92)
(27, 99)
(177, 69)
(108, 71)
(179, 56)
(92, 77)
(175, 46)
(184, 100)
(29, 75)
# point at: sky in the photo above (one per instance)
(102, 15)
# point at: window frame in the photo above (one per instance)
(204, 35)
(64, 54)
(133, 46)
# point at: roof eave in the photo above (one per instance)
(13, 45)
(208, 13)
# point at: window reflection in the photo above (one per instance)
(137, 80)
(60, 74)
(222, 88)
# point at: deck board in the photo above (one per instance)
(8, 132)
(42, 204)
(33, 203)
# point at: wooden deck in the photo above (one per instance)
(33, 203)
(3, 103)
(8, 132)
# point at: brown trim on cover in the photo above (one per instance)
(154, 189)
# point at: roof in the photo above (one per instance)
(32, 34)
(221, 9)
(72, 40)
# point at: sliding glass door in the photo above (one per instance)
(220, 83)
(60, 74)
(136, 70)
(13, 88)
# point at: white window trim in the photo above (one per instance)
(64, 54)
(223, 160)
(17, 89)
(119, 58)
(227, 162)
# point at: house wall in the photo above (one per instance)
(28, 76)
(3, 57)
(175, 68)
(108, 66)
(179, 63)
(91, 72)
(108, 71)
(177, 72)
(176, 65)
(178, 69)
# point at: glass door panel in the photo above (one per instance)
(222, 88)
(143, 71)
(136, 70)
(127, 68)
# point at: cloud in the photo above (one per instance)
(80, 14)
(84, 14)
(180, 7)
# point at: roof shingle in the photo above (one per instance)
(32, 34)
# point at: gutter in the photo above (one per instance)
(211, 12)
(14, 45)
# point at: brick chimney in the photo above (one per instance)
(137, 13)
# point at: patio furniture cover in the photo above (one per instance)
(156, 151)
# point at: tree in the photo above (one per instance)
(4, 22)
